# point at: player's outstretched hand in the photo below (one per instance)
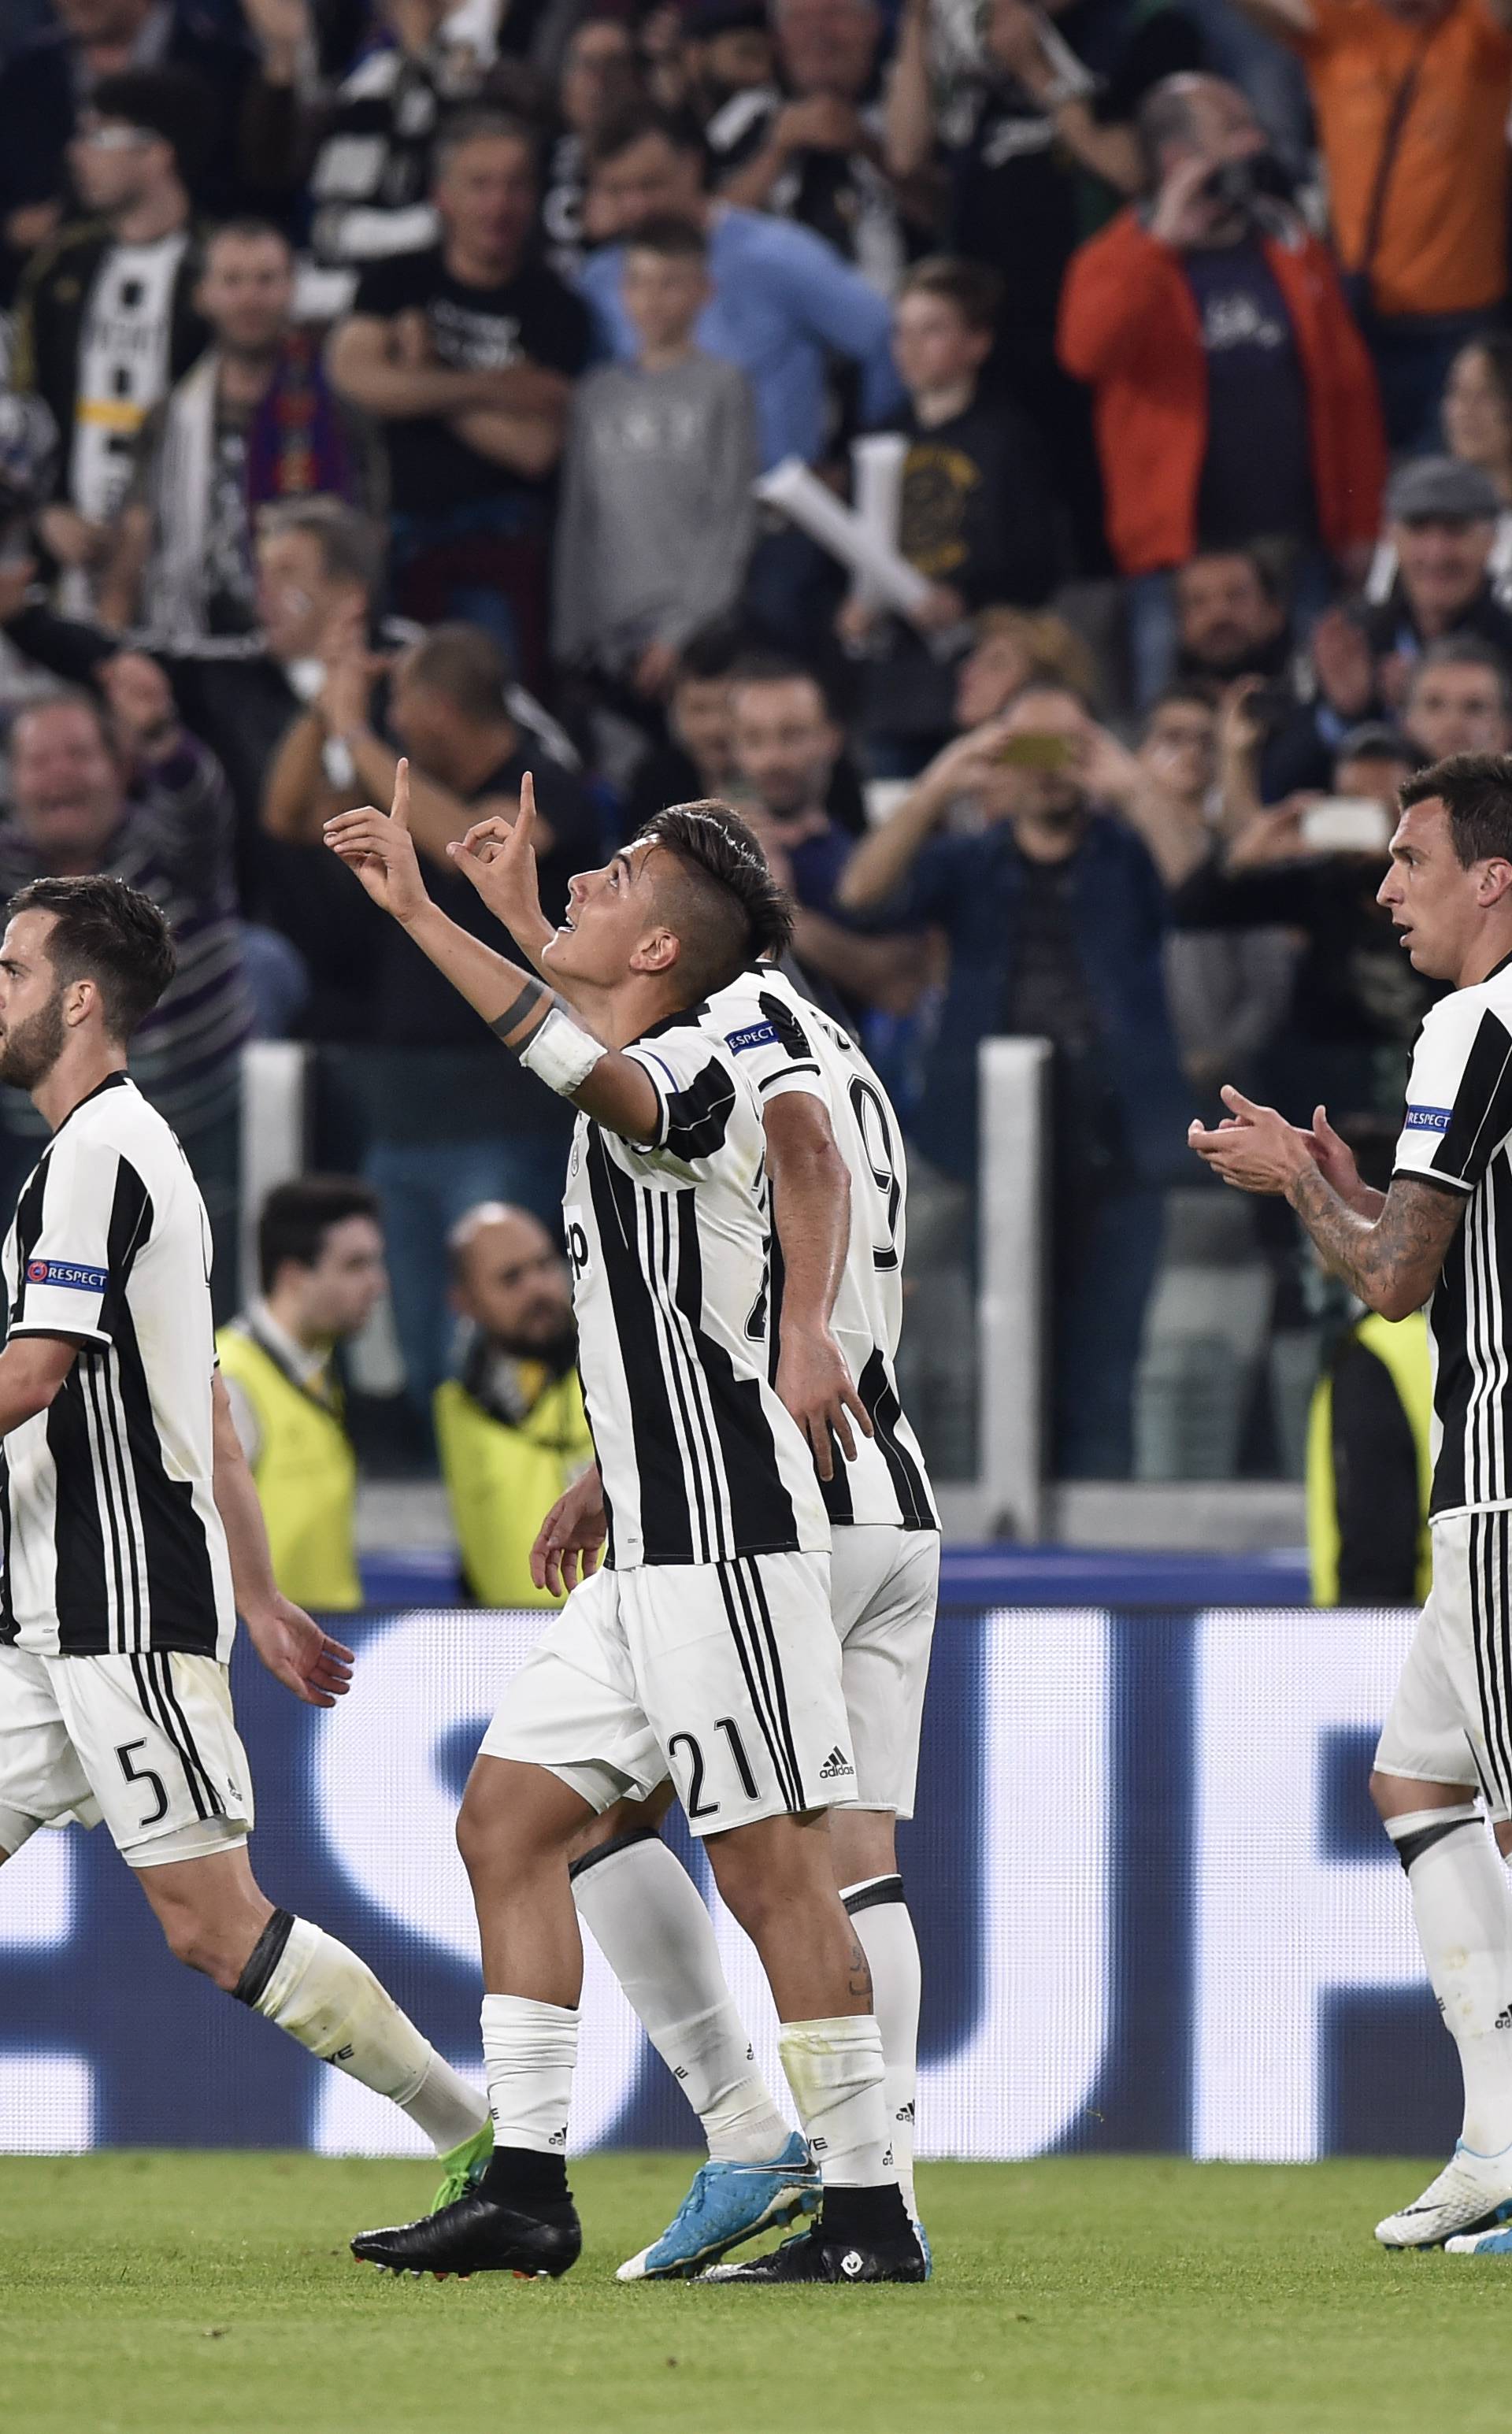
(300, 1654)
(498, 856)
(570, 1541)
(1254, 1148)
(814, 1383)
(379, 847)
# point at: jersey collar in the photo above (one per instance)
(112, 1082)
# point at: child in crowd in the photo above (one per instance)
(656, 516)
(978, 515)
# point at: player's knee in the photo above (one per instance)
(201, 1945)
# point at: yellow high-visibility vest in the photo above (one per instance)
(306, 1476)
(503, 1481)
(1401, 1346)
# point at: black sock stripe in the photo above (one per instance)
(186, 1743)
(579, 1868)
(1409, 1847)
(759, 1587)
(149, 1696)
(887, 1888)
(263, 1957)
(752, 1688)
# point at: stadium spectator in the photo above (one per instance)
(1477, 420)
(510, 1428)
(783, 301)
(252, 424)
(1055, 916)
(656, 516)
(117, 785)
(1356, 1002)
(450, 1122)
(1036, 132)
(726, 53)
(978, 514)
(321, 1275)
(598, 79)
(1231, 618)
(1009, 647)
(243, 96)
(814, 151)
(1411, 101)
(1459, 699)
(697, 762)
(1234, 400)
(786, 746)
(464, 352)
(106, 319)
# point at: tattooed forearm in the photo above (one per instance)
(1391, 1261)
(518, 1018)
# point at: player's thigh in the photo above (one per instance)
(885, 1589)
(157, 1740)
(41, 1775)
(1449, 1720)
(739, 1671)
(575, 1708)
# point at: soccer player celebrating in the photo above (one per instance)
(132, 1526)
(839, 1182)
(703, 1649)
(1442, 1236)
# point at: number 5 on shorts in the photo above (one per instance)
(144, 1774)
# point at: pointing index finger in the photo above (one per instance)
(400, 814)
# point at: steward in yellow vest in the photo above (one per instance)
(320, 1257)
(1370, 1467)
(510, 1429)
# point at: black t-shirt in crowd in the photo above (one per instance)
(1257, 475)
(533, 316)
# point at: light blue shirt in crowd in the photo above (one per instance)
(782, 301)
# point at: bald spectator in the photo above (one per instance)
(510, 1425)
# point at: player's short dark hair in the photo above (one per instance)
(484, 126)
(467, 666)
(1475, 789)
(973, 290)
(353, 547)
(297, 1216)
(674, 239)
(630, 126)
(107, 932)
(723, 903)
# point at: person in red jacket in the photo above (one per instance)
(1233, 397)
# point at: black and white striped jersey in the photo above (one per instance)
(112, 1539)
(1458, 1134)
(670, 1250)
(783, 1042)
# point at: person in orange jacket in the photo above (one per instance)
(1233, 397)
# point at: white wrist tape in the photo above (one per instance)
(561, 1055)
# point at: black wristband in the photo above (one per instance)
(514, 1014)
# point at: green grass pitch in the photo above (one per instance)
(156, 2294)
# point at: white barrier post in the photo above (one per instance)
(1014, 1076)
(275, 1087)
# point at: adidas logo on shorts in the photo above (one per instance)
(834, 1765)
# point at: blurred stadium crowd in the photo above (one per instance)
(388, 376)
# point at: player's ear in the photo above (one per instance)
(657, 952)
(81, 998)
(1495, 881)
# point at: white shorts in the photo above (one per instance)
(884, 1589)
(1450, 1720)
(724, 1676)
(146, 1742)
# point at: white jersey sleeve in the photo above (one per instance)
(696, 1093)
(774, 1052)
(64, 1284)
(1459, 1093)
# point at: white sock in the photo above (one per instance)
(835, 2070)
(647, 1918)
(530, 2050)
(330, 2003)
(1463, 1917)
(880, 1916)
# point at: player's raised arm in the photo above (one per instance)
(520, 1011)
